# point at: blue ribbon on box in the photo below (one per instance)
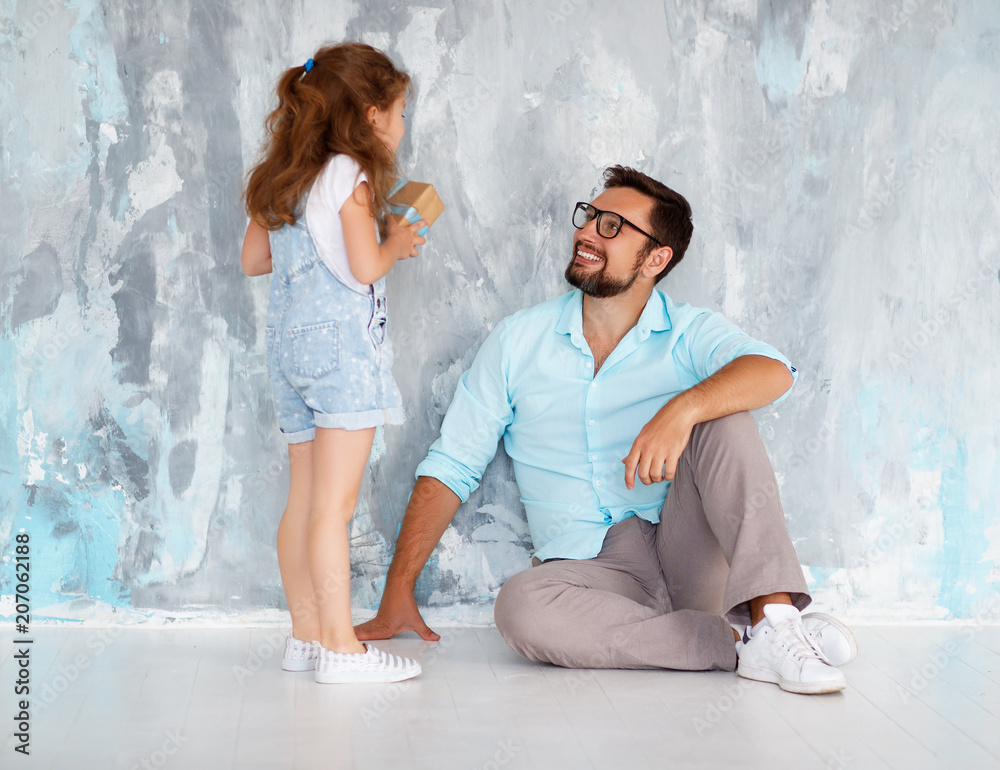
(410, 213)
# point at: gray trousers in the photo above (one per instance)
(659, 595)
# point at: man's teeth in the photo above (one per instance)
(588, 256)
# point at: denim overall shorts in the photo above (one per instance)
(328, 351)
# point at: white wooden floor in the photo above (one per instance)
(918, 697)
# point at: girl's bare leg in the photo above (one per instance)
(293, 544)
(339, 459)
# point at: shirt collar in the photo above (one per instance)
(571, 318)
(654, 316)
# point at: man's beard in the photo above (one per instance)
(597, 283)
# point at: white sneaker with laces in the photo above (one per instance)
(374, 665)
(299, 655)
(785, 654)
(836, 641)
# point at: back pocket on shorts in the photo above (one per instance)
(315, 349)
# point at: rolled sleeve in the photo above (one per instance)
(713, 342)
(476, 420)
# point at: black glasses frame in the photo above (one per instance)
(591, 213)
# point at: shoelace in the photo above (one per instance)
(800, 643)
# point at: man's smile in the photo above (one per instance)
(587, 255)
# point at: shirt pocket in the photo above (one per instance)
(315, 349)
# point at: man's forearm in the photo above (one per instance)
(748, 382)
(431, 508)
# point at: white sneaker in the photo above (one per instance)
(835, 640)
(372, 666)
(299, 655)
(785, 654)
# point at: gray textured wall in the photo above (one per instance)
(841, 160)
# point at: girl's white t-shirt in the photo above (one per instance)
(334, 185)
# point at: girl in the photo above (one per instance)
(313, 201)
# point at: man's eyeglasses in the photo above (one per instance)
(609, 224)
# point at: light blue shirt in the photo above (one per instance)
(566, 431)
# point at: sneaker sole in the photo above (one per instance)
(361, 677)
(298, 665)
(844, 630)
(801, 688)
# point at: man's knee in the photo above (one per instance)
(735, 432)
(513, 606)
(729, 427)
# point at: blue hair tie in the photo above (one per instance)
(309, 65)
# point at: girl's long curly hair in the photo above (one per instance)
(319, 114)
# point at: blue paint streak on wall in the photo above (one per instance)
(105, 99)
(10, 465)
(781, 60)
(75, 543)
(170, 396)
(961, 566)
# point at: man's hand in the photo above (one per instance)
(747, 382)
(432, 506)
(397, 613)
(657, 449)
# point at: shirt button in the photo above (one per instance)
(593, 384)
(593, 457)
(598, 482)
(589, 364)
(591, 422)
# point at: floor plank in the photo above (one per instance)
(881, 678)
(202, 697)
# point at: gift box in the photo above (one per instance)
(410, 202)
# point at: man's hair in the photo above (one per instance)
(670, 218)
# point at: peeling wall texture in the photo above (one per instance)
(842, 162)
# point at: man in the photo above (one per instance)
(590, 391)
